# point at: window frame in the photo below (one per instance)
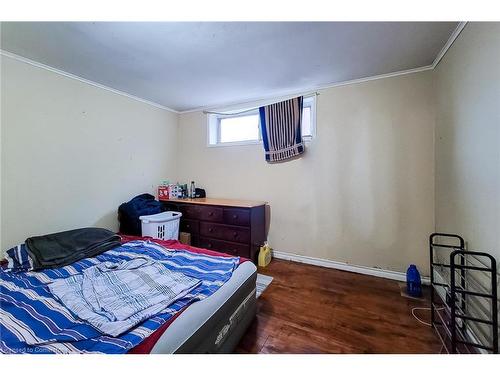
(214, 128)
(310, 102)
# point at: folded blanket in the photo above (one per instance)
(114, 297)
(61, 249)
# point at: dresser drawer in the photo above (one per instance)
(190, 226)
(236, 216)
(210, 213)
(190, 211)
(225, 247)
(225, 232)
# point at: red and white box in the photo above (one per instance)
(163, 193)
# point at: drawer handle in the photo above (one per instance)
(235, 216)
(188, 226)
(210, 213)
(210, 230)
(209, 245)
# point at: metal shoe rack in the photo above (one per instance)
(464, 301)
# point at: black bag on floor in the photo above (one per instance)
(128, 213)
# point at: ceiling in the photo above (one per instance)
(183, 66)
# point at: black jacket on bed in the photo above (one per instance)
(61, 249)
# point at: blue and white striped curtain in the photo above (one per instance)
(281, 125)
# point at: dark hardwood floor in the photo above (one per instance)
(309, 309)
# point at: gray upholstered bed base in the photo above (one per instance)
(222, 332)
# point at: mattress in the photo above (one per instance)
(217, 323)
(213, 325)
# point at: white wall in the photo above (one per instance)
(467, 84)
(364, 191)
(72, 152)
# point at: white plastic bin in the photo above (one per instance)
(164, 226)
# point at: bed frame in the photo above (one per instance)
(223, 330)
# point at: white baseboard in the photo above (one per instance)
(372, 271)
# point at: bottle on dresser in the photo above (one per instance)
(192, 192)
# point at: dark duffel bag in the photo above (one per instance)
(129, 212)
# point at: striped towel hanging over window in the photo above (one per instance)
(281, 125)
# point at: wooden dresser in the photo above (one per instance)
(231, 226)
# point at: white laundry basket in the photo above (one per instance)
(164, 226)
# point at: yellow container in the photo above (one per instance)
(264, 255)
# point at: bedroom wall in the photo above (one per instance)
(467, 83)
(364, 191)
(72, 152)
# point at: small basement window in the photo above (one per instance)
(244, 128)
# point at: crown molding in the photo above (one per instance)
(284, 96)
(84, 80)
(454, 35)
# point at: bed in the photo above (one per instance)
(212, 325)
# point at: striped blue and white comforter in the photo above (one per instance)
(30, 313)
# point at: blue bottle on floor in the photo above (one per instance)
(413, 281)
